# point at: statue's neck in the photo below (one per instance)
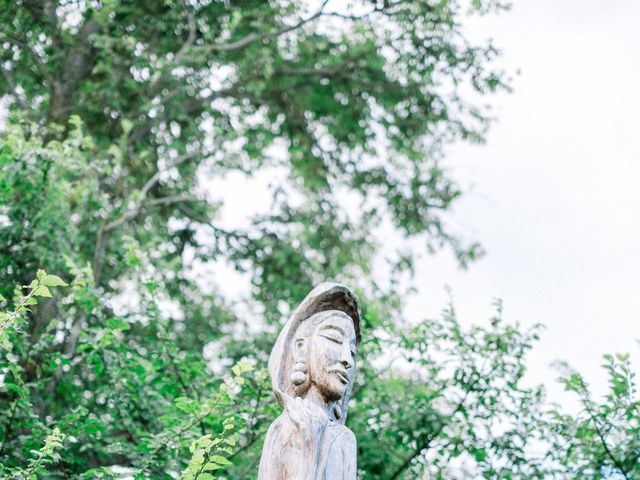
(314, 396)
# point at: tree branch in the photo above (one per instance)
(135, 211)
(427, 443)
(190, 38)
(140, 204)
(78, 63)
(243, 42)
(8, 78)
(587, 404)
(185, 389)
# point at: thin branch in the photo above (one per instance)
(592, 416)
(140, 204)
(24, 45)
(385, 9)
(176, 371)
(145, 127)
(187, 427)
(190, 38)
(304, 21)
(243, 42)
(156, 177)
(250, 467)
(157, 86)
(8, 77)
(254, 435)
(427, 443)
(9, 427)
(134, 212)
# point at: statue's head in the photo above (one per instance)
(324, 355)
(318, 346)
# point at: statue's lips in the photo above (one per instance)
(341, 373)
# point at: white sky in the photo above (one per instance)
(556, 195)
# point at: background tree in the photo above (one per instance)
(118, 110)
(603, 439)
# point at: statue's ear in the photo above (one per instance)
(299, 349)
(299, 376)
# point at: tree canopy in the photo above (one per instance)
(119, 351)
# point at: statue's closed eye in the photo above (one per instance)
(334, 337)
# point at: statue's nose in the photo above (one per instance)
(346, 360)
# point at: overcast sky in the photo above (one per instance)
(556, 190)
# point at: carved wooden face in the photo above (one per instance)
(332, 356)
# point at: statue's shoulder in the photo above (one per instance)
(278, 434)
(343, 434)
(278, 423)
(343, 450)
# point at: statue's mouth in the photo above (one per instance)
(341, 373)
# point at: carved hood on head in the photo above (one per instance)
(326, 296)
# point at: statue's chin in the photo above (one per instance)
(333, 391)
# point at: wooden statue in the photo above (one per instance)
(312, 367)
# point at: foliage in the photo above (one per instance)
(44, 456)
(603, 440)
(458, 409)
(169, 92)
(39, 287)
(114, 399)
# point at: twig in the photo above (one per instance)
(9, 427)
(243, 42)
(427, 443)
(187, 427)
(190, 38)
(105, 228)
(8, 77)
(24, 45)
(587, 404)
(178, 375)
(135, 211)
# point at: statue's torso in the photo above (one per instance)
(282, 456)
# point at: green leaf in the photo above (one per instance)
(53, 281)
(127, 125)
(42, 291)
(186, 405)
(220, 460)
(117, 324)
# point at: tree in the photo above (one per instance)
(455, 407)
(117, 109)
(171, 91)
(603, 439)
